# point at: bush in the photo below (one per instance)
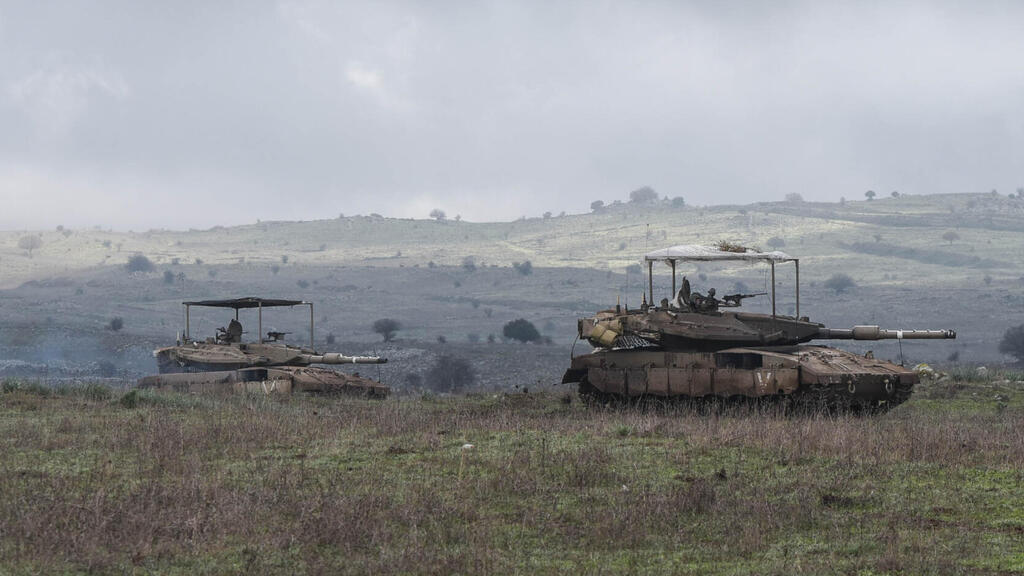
(438, 214)
(116, 323)
(469, 264)
(168, 277)
(794, 198)
(525, 268)
(776, 242)
(139, 263)
(678, 202)
(1013, 343)
(30, 243)
(596, 205)
(522, 330)
(450, 374)
(643, 195)
(386, 327)
(302, 283)
(106, 368)
(330, 339)
(840, 283)
(130, 399)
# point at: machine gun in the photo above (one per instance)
(734, 300)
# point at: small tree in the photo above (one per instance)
(525, 268)
(840, 283)
(438, 214)
(794, 198)
(168, 277)
(30, 243)
(450, 374)
(116, 323)
(469, 264)
(1013, 343)
(950, 236)
(139, 263)
(644, 195)
(386, 327)
(522, 330)
(776, 242)
(895, 194)
(678, 202)
(870, 195)
(596, 205)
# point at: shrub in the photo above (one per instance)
(302, 283)
(386, 327)
(840, 283)
(450, 374)
(1013, 343)
(139, 263)
(678, 202)
(469, 264)
(330, 339)
(130, 399)
(522, 330)
(525, 268)
(106, 368)
(776, 242)
(794, 198)
(596, 205)
(644, 195)
(30, 243)
(116, 323)
(168, 277)
(438, 214)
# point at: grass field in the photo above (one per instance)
(106, 481)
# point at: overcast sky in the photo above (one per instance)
(147, 114)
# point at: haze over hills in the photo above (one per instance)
(941, 261)
(863, 238)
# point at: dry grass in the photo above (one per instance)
(212, 485)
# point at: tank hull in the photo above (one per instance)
(815, 375)
(269, 380)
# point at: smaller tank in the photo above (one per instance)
(225, 362)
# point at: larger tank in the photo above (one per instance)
(700, 345)
(267, 364)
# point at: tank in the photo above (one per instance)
(699, 345)
(268, 364)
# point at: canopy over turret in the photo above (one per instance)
(698, 253)
(247, 302)
(723, 252)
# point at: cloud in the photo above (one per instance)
(56, 96)
(497, 109)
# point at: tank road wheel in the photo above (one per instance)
(589, 394)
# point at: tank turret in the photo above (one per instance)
(701, 345)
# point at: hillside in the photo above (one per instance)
(454, 280)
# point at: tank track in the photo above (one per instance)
(810, 398)
(837, 398)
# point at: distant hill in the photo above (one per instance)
(867, 239)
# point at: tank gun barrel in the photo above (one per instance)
(876, 333)
(335, 358)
